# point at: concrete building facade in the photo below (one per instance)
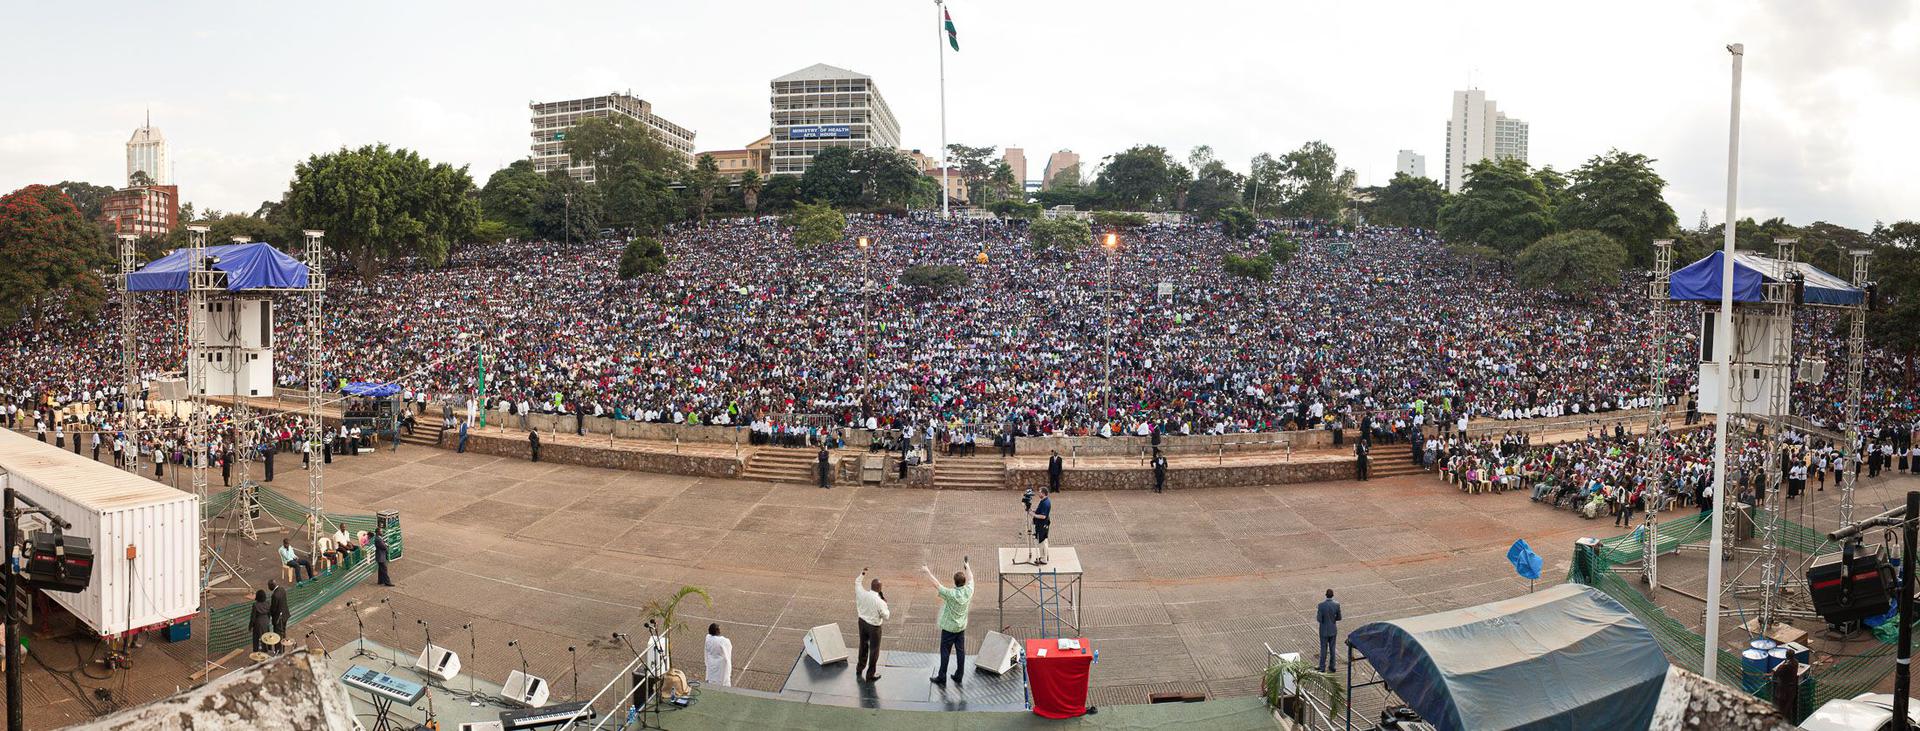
(756, 156)
(824, 106)
(1017, 159)
(1477, 130)
(551, 120)
(1057, 162)
(1411, 163)
(150, 210)
(147, 153)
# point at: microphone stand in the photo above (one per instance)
(575, 657)
(515, 644)
(428, 653)
(360, 628)
(473, 656)
(393, 629)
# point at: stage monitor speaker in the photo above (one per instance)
(1846, 590)
(528, 690)
(998, 653)
(825, 646)
(482, 726)
(438, 662)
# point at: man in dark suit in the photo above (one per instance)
(277, 605)
(533, 443)
(1055, 467)
(1328, 616)
(1360, 459)
(380, 552)
(1159, 471)
(826, 469)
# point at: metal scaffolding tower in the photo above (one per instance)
(1856, 367)
(1781, 295)
(1655, 489)
(315, 436)
(129, 359)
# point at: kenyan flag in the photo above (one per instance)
(953, 37)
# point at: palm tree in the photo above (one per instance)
(665, 610)
(750, 190)
(704, 180)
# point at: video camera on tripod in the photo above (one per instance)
(1026, 499)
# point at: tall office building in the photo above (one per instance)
(1017, 159)
(147, 153)
(824, 106)
(1478, 130)
(1057, 162)
(1411, 163)
(551, 120)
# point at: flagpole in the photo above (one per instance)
(940, 35)
(1723, 347)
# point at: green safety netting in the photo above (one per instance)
(1598, 568)
(229, 627)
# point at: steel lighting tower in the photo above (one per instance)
(1856, 366)
(1657, 295)
(129, 360)
(316, 440)
(1111, 242)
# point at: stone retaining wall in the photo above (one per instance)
(1141, 478)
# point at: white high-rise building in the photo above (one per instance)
(1411, 163)
(147, 153)
(551, 120)
(824, 106)
(1478, 130)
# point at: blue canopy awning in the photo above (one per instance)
(369, 389)
(1569, 657)
(248, 266)
(1700, 281)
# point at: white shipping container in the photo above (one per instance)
(114, 509)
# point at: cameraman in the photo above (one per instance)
(1041, 513)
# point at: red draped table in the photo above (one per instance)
(1058, 678)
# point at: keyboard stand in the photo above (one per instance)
(382, 709)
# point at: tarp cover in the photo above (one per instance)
(1700, 281)
(1569, 657)
(248, 266)
(369, 389)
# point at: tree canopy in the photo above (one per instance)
(1237, 223)
(51, 251)
(934, 277)
(378, 204)
(1143, 178)
(1578, 262)
(1059, 234)
(816, 224)
(606, 142)
(1619, 194)
(1501, 207)
(90, 199)
(643, 255)
(1312, 184)
(513, 195)
(1259, 267)
(1407, 201)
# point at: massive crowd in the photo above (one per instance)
(742, 326)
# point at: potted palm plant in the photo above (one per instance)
(1288, 679)
(666, 611)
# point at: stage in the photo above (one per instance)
(904, 686)
(448, 702)
(1044, 589)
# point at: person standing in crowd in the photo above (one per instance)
(954, 601)
(870, 605)
(719, 656)
(826, 469)
(462, 448)
(380, 554)
(1159, 471)
(533, 444)
(261, 620)
(282, 616)
(1328, 617)
(1055, 468)
(1360, 452)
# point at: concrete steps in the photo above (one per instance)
(1393, 460)
(779, 464)
(979, 472)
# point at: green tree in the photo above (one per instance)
(934, 278)
(887, 178)
(830, 178)
(1501, 207)
(816, 224)
(52, 255)
(490, 231)
(569, 210)
(1119, 219)
(1000, 186)
(1266, 183)
(1407, 201)
(139, 179)
(1899, 234)
(378, 204)
(643, 200)
(705, 180)
(1016, 209)
(643, 255)
(1312, 185)
(1237, 223)
(608, 142)
(1214, 189)
(1557, 188)
(780, 193)
(1252, 267)
(89, 198)
(1059, 234)
(1578, 262)
(1282, 249)
(1619, 194)
(1143, 178)
(223, 230)
(512, 195)
(750, 183)
(975, 163)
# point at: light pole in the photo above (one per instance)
(866, 315)
(1112, 244)
(566, 223)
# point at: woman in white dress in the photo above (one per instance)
(719, 658)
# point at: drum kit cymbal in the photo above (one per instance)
(270, 639)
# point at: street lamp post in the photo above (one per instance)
(1112, 244)
(866, 316)
(566, 223)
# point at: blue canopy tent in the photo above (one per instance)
(1700, 281)
(1569, 657)
(247, 266)
(369, 389)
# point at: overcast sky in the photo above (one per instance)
(245, 90)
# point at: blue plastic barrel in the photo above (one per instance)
(1753, 669)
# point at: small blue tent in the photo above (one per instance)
(248, 266)
(1700, 281)
(1569, 657)
(369, 389)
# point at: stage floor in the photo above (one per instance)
(904, 686)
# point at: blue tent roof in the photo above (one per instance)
(368, 389)
(248, 266)
(1569, 657)
(1700, 281)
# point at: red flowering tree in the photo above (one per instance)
(48, 255)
